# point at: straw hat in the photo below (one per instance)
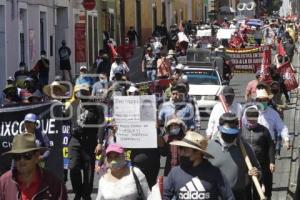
(48, 89)
(263, 94)
(24, 143)
(195, 141)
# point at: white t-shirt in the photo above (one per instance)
(217, 112)
(124, 189)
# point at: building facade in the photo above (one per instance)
(29, 26)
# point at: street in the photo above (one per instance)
(284, 179)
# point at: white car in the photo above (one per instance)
(205, 84)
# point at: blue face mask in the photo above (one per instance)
(175, 131)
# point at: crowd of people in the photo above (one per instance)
(199, 165)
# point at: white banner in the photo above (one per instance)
(136, 120)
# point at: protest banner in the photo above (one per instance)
(135, 117)
(249, 59)
(11, 122)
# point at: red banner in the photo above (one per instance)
(80, 42)
(286, 71)
(249, 59)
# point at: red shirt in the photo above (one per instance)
(28, 192)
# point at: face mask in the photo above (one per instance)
(42, 56)
(263, 105)
(117, 164)
(22, 68)
(185, 162)
(251, 124)
(103, 81)
(175, 131)
(228, 138)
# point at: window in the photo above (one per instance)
(42, 32)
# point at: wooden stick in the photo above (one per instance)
(246, 157)
(254, 178)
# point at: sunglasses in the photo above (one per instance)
(25, 156)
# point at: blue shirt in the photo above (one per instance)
(183, 110)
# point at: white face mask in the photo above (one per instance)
(175, 131)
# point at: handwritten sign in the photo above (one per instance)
(136, 120)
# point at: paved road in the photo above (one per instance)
(284, 177)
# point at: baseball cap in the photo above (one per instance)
(10, 78)
(83, 67)
(30, 117)
(115, 148)
(227, 91)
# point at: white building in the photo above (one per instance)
(29, 26)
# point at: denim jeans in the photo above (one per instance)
(151, 74)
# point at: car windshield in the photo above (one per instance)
(202, 77)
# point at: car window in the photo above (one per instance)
(202, 77)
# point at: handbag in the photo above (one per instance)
(138, 186)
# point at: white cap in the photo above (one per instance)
(83, 67)
(132, 89)
(179, 66)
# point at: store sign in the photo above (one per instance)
(89, 4)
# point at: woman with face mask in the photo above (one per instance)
(119, 183)
(174, 130)
(260, 139)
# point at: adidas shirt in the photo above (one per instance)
(202, 182)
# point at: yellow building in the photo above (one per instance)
(144, 15)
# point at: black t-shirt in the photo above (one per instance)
(202, 182)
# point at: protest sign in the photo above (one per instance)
(249, 59)
(136, 120)
(225, 33)
(11, 122)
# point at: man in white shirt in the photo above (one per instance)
(218, 110)
(270, 118)
(118, 64)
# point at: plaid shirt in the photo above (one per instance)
(173, 155)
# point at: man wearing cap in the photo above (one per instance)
(195, 177)
(149, 65)
(228, 157)
(83, 77)
(218, 110)
(178, 106)
(86, 140)
(260, 139)
(42, 140)
(27, 180)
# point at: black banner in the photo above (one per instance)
(11, 124)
